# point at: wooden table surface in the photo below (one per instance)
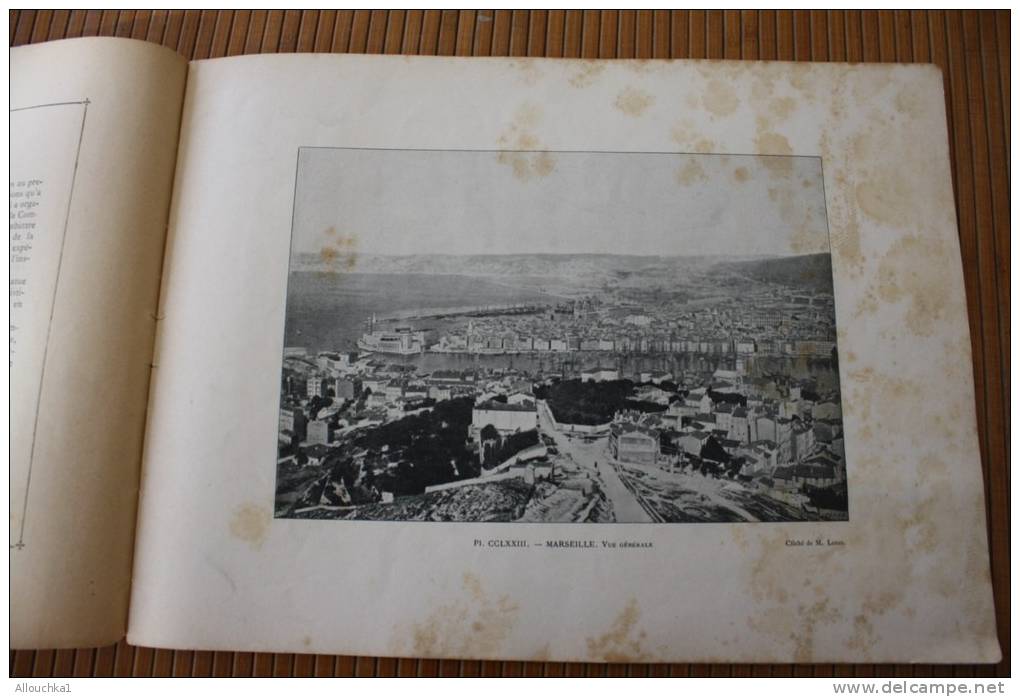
(971, 48)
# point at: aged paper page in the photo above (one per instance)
(93, 137)
(414, 304)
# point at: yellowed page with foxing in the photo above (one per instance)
(94, 127)
(561, 360)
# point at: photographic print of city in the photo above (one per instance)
(559, 337)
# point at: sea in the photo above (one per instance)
(327, 311)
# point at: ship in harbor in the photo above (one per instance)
(402, 341)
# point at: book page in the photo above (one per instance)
(561, 360)
(94, 128)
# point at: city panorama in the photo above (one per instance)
(554, 386)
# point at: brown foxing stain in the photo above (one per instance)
(338, 252)
(777, 147)
(533, 162)
(881, 196)
(633, 102)
(789, 603)
(475, 624)
(691, 173)
(955, 368)
(741, 174)
(719, 98)
(978, 609)
(782, 107)
(840, 164)
(810, 617)
(918, 524)
(586, 75)
(863, 635)
(714, 69)
(804, 239)
(867, 304)
(911, 101)
(250, 523)
(528, 70)
(788, 615)
(947, 429)
(806, 230)
(913, 271)
(938, 499)
(620, 644)
(846, 242)
(892, 180)
(542, 655)
(739, 537)
(764, 583)
(763, 84)
(870, 83)
(682, 132)
(877, 603)
(645, 65)
(800, 76)
(844, 228)
(886, 403)
(687, 137)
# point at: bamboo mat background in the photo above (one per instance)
(971, 48)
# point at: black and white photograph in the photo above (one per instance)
(559, 337)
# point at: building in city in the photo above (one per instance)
(318, 432)
(600, 374)
(505, 418)
(633, 443)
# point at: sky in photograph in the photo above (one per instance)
(471, 202)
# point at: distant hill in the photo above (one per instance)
(551, 265)
(808, 271)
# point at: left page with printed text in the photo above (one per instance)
(93, 135)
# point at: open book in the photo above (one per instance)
(520, 359)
